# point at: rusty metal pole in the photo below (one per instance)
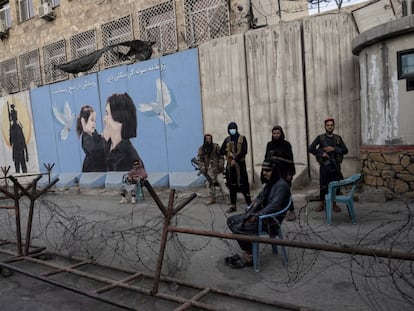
(345, 249)
(30, 217)
(29, 228)
(5, 170)
(167, 220)
(33, 197)
(17, 215)
(157, 200)
(49, 168)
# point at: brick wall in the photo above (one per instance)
(389, 168)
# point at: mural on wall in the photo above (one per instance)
(64, 117)
(161, 105)
(93, 144)
(99, 122)
(120, 126)
(18, 145)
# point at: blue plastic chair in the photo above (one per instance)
(348, 198)
(139, 194)
(260, 231)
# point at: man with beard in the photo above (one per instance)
(211, 165)
(329, 150)
(281, 149)
(234, 148)
(273, 198)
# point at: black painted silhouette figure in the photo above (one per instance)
(17, 141)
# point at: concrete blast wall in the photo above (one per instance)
(293, 74)
(332, 82)
(276, 89)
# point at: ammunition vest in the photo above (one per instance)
(230, 147)
(324, 143)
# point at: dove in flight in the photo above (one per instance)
(65, 118)
(158, 107)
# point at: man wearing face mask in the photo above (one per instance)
(234, 148)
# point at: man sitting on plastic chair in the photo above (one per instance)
(273, 233)
(273, 198)
(132, 181)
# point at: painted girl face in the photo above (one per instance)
(90, 125)
(114, 127)
(276, 134)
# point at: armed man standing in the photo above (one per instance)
(329, 150)
(211, 165)
(234, 148)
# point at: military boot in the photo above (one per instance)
(212, 195)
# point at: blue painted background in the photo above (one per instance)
(163, 148)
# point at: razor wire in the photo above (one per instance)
(131, 237)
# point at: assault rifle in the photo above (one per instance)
(196, 165)
(331, 161)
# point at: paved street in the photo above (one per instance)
(91, 224)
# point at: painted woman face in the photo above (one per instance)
(113, 127)
(90, 125)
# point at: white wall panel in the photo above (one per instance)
(332, 81)
(276, 93)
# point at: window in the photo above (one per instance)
(158, 24)
(5, 15)
(25, 9)
(405, 67)
(116, 32)
(54, 54)
(206, 20)
(410, 84)
(54, 3)
(30, 69)
(83, 44)
(9, 81)
(405, 63)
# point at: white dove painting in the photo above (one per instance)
(65, 118)
(159, 107)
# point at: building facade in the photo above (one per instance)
(37, 35)
(386, 58)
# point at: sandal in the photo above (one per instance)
(231, 259)
(321, 207)
(232, 209)
(336, 208)
(240, 263)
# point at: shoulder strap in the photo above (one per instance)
(240, 141)
(322, 140)
(337, 139)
